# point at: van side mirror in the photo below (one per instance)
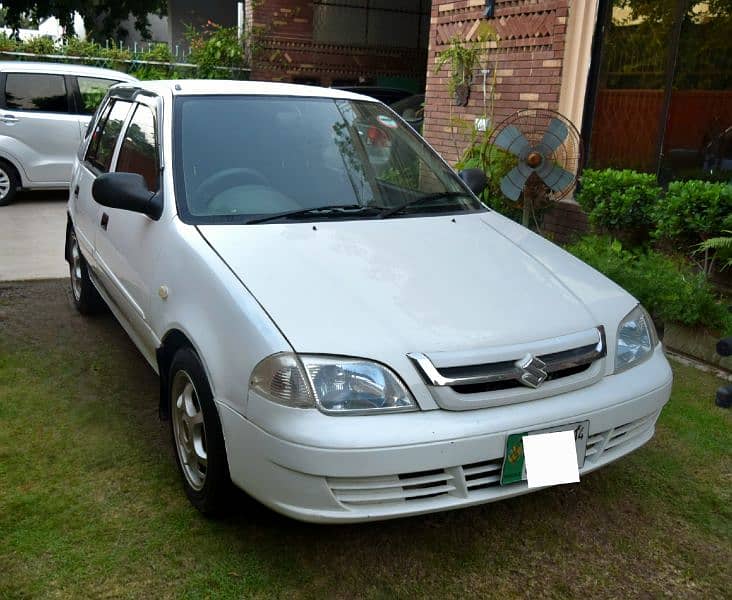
(475, 179)
(127, 191)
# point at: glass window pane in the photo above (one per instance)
(339, 24)
(139, 151)
(105, 135)
(388, 28)
(699, 124)
(27, 91)
(287, 154)
(92, 90)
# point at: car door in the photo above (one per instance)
(42, 133)
(97, 159)
(126, 243)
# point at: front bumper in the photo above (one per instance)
(319, 468)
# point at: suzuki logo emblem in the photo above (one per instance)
(532, 369)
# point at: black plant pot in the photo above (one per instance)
(462, 93)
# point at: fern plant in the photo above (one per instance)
(721, 247)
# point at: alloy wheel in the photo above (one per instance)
(75, 267)
(189, 430)
(4, 184)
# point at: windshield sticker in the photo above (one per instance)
(387, 121)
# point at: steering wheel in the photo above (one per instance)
(224, 180)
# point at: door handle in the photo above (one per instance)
(105, 220)
(76, 191)
(9, 119)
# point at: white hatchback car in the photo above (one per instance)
(340, 327)
(45, 109)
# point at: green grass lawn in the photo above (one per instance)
(91, 504)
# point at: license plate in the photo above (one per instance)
(514, 465)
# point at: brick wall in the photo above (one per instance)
(527, 59)
(565, 221)
(291, 54)
(528, 74)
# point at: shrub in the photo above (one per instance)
(7, 43)
(668, 288)
(39, 45)
(693, 211)
(215, 47)
(77, 47)
(619, 202)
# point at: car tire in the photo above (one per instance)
(85, 296)
(9, 183)
(198, 440)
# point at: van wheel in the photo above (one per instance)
(197, 436)
(9, 183)
(86, 297)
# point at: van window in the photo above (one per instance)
(36, 91)
(139, 151)
(92, 90)
(104, 138)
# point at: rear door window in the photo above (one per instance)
(139, 150)
(106, 132)
(36, 92)
(92, 90)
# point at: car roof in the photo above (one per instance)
(388, 95)
(200, 87)
(19, 66)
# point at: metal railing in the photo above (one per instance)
(131, 65)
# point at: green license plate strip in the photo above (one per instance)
(514, 466)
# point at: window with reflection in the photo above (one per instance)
(139, 150)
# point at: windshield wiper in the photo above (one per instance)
(328, 209)
(419, 199)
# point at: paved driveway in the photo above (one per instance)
(32, 232)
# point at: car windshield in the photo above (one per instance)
(241, 159)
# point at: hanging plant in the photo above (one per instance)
(464, 56)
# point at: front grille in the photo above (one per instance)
(465, 480)
(507, 374)
(499, 375)
(392, 488)
(483, 474)
(508, 384)
(616, 438)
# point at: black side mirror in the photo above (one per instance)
(475, 179)
(127, 191)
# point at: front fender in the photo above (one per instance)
(196, 294)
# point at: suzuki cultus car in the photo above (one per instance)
(340, 327)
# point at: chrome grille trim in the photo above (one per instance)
(507, 370)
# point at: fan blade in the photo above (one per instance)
(555, 135)
(512, 140)
(556, 177)
(513, 183)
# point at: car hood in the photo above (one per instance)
(443, 283)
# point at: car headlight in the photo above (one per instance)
(636, 339)
(334, 385)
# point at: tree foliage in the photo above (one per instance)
(101, 18)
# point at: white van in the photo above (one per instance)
(44, 111)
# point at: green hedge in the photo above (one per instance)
(619, 202)
(668, 288)
(692, 211)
